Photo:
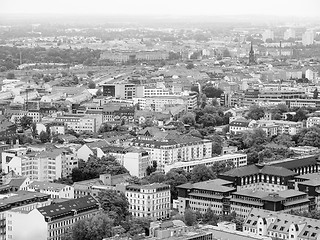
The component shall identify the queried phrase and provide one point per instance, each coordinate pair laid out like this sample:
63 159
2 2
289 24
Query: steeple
252 60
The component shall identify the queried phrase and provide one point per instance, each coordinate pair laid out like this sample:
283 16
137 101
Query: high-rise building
289 33
308 38
267 34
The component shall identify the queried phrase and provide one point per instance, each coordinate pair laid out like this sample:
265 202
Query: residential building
175 148
20 200
280 225
201 196
55 190
308 38
152 200
49 222
312 121
78 123
238 159
135 160
240 125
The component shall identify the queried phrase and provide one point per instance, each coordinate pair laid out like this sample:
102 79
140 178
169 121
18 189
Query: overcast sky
164 7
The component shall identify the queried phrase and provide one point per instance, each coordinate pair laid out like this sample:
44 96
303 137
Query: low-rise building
280 225
238 159
55 190
151 201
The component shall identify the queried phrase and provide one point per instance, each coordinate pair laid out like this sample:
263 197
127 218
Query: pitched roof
256 169
69 207
17 182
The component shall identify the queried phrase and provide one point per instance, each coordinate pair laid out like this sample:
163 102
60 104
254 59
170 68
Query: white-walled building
151 201
308 38
312 121
238 159
49 222
55 190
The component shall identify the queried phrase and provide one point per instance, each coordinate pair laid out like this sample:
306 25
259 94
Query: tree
34 130
284 139
209 217
152 168
190 217
105 127
301 115
138 226
212 92
221 167
96 227
255 112
156 177
91 85
189 119
190 66
44 137
201 173
115 204
175 178
25 122
10 75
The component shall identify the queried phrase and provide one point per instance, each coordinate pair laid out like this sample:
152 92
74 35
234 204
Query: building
46 165
152 200
281 225
55 190
94 186
238 159
289 34
259 177
201 196
78 123
135 160
312 121
49 222
267 34
243 201
175 148
252 59
240 125
22 201
308 38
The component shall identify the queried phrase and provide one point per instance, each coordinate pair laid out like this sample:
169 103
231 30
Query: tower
252 60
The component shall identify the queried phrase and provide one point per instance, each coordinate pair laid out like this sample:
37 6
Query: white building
289 33
78 123
49 222
178 148
312 121
152 200
55 190
308 38
238 159
267 34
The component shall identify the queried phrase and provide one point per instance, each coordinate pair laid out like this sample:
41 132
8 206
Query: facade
178 148
78 123
281 225
135 160
152 200
308 38
259 178
21 201
55 190
238 159
201 196
42 166
312 121
49 222
243 201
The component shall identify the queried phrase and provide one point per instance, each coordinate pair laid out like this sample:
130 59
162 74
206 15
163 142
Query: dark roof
255 169
17 182
296 162
240 123
69 207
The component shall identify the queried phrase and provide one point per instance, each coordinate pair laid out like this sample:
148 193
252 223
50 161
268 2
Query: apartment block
152 200
49 222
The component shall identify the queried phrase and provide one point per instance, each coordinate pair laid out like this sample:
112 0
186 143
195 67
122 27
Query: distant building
267 34
308 38
289 34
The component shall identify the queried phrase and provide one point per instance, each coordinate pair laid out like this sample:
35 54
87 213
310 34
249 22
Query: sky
301 8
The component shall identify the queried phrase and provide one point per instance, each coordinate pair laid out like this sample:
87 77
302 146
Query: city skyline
176 8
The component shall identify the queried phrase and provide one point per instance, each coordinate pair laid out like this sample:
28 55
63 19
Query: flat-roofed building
152 200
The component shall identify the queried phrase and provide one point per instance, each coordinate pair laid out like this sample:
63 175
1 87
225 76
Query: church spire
251 55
